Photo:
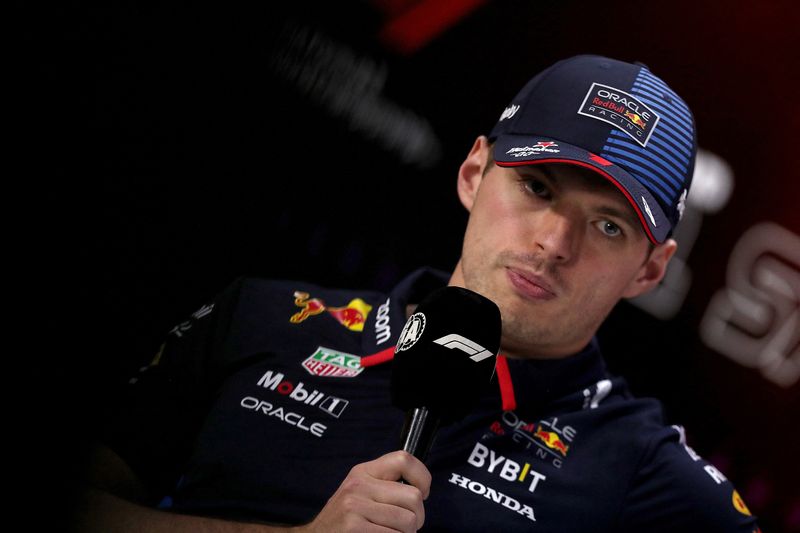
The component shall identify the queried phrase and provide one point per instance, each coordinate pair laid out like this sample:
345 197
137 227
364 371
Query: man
271 406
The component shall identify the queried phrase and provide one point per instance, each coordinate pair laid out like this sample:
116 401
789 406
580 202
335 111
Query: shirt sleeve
153 422
677 490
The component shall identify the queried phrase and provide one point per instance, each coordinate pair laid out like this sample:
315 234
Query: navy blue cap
615 118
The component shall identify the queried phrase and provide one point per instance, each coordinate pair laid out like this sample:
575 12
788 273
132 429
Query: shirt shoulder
675 489
665 484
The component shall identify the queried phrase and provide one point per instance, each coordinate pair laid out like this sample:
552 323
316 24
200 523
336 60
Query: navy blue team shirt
257 407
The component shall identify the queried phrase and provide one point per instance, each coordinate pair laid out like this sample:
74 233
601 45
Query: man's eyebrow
544 169
624 214
548 173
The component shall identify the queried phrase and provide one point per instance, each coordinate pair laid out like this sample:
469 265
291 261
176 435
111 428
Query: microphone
444 359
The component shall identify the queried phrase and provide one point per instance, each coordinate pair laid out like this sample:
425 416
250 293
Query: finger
393 517
360 486
402 496
400 465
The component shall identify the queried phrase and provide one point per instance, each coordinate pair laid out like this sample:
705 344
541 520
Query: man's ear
471 171
652 270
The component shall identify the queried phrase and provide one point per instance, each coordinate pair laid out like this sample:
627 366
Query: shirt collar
540 382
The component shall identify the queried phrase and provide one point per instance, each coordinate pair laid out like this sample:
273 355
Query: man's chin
515 307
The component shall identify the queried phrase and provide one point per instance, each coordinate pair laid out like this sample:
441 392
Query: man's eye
608 228
537 187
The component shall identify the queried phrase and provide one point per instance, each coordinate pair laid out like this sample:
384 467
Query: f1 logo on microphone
454 341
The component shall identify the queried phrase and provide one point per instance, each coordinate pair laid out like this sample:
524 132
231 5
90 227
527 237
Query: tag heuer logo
332 364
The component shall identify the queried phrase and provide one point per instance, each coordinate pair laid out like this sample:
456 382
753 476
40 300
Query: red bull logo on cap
636 119
352 316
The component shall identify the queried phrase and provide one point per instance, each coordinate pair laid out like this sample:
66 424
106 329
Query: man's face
555 247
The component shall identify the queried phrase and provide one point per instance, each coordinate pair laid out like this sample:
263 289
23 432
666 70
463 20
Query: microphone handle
418 432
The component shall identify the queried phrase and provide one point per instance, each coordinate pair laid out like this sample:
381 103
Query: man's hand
371 499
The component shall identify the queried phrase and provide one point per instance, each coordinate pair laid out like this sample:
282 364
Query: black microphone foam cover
446 353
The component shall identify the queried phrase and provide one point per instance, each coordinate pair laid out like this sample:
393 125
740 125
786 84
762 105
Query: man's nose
557 235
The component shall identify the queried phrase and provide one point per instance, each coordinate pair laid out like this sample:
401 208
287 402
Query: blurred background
174 146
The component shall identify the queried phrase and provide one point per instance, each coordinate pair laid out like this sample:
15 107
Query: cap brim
517 150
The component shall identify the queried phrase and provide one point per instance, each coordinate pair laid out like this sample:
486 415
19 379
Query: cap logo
649 213
509 112
620 109
540 147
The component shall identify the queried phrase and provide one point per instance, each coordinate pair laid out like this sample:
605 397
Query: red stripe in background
506 386
409 30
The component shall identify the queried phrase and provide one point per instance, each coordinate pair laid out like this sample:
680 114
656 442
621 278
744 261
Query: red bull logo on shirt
552 440
549 439
310 307
738 503
352 316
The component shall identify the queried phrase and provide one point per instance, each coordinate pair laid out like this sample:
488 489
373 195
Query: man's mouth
530 285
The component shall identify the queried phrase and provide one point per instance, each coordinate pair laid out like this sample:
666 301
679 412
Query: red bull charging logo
636 119
551 440
352 316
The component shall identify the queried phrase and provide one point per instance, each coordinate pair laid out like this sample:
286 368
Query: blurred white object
755 320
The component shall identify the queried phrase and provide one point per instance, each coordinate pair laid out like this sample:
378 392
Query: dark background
170 148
